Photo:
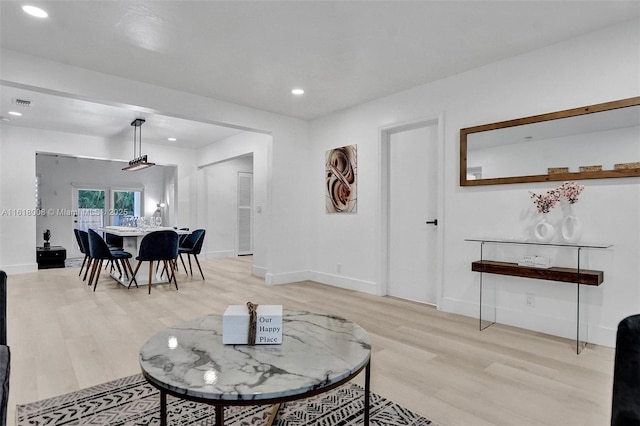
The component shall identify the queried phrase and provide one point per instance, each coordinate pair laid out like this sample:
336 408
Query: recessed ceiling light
35 11
297 91
16 113
172 139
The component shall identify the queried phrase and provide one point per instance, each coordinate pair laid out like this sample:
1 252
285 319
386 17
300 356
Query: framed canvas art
341 173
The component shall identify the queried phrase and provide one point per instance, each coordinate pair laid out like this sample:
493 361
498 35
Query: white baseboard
286 278
20 269
329 279
345 282
259 271
218 254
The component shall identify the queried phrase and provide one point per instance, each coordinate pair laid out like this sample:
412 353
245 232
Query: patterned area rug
132 401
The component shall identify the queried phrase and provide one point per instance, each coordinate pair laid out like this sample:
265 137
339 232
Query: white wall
599 67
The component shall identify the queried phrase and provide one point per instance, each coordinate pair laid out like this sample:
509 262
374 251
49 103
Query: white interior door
413 201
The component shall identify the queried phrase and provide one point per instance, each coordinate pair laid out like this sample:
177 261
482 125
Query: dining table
131 240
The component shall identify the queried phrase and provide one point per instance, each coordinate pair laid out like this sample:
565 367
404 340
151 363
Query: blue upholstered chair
84 239
159 246
625 410
114 241
99 251
84 249
192 245
5 353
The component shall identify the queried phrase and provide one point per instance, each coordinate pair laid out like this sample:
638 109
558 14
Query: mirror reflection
572 144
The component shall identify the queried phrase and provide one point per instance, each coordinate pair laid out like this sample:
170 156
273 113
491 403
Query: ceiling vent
22 102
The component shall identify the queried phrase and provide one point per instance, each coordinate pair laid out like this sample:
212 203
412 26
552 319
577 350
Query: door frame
385 141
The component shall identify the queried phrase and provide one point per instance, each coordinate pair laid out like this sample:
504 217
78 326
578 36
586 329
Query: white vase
571 227
544 231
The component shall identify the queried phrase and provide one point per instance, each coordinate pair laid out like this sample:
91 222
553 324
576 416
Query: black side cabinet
51 257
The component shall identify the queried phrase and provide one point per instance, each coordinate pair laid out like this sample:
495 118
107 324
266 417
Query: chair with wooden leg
159 246
192 245
99 252
83 249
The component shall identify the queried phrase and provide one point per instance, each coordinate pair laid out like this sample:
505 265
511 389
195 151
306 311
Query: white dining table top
129 231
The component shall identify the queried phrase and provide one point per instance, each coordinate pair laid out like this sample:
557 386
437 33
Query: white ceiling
253 53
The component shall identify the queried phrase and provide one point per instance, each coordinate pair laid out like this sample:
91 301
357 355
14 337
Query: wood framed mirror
591 142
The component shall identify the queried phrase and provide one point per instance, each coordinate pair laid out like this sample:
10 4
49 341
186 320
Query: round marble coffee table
318 353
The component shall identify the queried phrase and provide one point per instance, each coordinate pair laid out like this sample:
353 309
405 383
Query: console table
577 275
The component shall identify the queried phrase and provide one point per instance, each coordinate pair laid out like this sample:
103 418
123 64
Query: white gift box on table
235 325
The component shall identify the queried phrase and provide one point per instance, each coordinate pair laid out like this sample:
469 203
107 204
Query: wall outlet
530 300
339 268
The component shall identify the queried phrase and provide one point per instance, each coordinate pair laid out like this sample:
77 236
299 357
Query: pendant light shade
139 161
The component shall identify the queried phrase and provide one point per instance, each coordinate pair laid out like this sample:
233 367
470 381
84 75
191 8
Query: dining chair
159 246
83 249
99 252
114 241
192 245
84 239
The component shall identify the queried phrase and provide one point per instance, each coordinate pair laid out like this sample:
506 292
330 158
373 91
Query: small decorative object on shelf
597 168
571 225
252 324
544 231
626 166
535 261
556 170
47 236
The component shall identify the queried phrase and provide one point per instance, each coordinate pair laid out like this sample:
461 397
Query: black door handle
433 222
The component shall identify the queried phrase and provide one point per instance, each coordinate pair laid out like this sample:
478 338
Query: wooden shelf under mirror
489 153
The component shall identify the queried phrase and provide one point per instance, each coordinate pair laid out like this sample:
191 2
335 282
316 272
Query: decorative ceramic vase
571 227
543 230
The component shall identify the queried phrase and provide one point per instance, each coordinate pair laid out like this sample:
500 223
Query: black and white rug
132 401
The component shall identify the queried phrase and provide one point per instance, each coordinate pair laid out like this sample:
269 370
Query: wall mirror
591 142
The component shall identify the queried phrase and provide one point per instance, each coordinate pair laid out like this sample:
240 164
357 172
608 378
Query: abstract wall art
341 180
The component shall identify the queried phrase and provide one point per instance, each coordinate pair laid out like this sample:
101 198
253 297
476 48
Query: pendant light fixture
139 161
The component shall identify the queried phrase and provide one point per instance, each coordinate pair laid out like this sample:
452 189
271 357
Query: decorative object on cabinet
341 174
46 235
494 147
577 275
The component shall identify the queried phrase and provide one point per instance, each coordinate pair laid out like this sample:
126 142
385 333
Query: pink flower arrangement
544 203
571 191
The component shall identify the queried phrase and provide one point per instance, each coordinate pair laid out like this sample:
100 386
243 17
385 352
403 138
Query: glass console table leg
486 295
581 315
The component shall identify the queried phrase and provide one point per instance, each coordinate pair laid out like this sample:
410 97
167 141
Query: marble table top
317 351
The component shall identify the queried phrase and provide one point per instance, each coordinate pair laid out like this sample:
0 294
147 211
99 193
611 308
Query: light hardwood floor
65 337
